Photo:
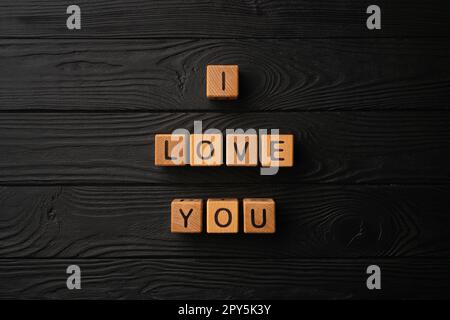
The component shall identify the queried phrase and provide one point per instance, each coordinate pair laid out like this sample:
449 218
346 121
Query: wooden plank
330 147
312 222
225 279
169 75
224 18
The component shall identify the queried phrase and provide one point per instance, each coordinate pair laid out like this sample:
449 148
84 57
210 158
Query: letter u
263 223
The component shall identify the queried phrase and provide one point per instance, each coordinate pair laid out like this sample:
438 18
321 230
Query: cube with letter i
222 82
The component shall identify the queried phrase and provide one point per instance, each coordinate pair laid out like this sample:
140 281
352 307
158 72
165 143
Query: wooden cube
171 150
277 150
206 149
222 82
242 150
259 215
186 215
222 215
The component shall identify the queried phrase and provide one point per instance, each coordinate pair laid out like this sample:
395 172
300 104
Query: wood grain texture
312 222
330 147
369 111
169 75
223 18
225 279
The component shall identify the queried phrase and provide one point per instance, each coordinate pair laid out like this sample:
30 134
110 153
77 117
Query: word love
222 215
275 150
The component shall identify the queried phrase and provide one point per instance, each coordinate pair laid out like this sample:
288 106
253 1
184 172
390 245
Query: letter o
216 217
199 150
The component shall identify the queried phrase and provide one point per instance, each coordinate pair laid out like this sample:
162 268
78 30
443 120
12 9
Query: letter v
241 156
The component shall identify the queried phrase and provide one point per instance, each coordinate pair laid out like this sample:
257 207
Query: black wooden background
369 109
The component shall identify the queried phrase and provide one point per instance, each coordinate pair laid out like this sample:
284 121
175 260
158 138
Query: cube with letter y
186 215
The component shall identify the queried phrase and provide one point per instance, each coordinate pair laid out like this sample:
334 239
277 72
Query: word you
222 215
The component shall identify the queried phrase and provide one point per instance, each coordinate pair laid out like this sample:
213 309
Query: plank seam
220 38
224 111
144 258
215 184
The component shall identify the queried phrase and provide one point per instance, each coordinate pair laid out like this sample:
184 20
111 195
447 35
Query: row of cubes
222 215
275 150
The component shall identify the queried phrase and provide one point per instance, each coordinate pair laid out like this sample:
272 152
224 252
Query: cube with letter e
277 150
